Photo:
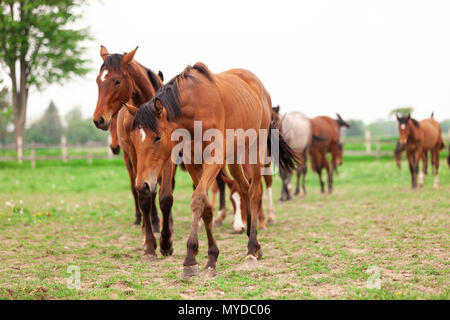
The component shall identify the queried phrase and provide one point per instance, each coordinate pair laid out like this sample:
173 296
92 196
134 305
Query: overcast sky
358 58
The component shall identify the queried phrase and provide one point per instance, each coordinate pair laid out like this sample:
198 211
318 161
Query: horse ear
339 116
131 109
276 109
104 53
126 59
161 75
398 118
408 117
158 107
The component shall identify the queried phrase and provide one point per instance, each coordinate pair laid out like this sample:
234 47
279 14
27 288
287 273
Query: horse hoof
271 221
136 224
218 222
208 273
149 258
260 254
238 231
166 252
190 271
251 262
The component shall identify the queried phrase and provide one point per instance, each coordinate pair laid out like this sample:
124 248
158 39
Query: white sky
358 58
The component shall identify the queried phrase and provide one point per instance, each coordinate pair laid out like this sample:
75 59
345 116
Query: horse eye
117 82
157 139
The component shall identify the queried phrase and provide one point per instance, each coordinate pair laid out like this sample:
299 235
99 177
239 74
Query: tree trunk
20 100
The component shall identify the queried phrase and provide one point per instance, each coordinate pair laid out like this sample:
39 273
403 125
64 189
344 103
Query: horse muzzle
102 124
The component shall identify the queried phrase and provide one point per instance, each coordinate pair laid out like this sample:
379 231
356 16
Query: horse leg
255 194
329 173
268 180
165 204
239 210
422 173
137 212
261 217
412 168
304 171
145 204
435 155
285 179
201 208
297 185
220 184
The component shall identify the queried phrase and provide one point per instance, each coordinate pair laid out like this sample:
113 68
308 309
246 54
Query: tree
39 46
357 128
81 130
5 112
48 129
403 111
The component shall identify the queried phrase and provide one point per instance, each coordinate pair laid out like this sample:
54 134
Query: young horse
418 138
122 79
326 134
231 101
297 131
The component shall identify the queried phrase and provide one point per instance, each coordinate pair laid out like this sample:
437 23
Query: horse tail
284 156
318 138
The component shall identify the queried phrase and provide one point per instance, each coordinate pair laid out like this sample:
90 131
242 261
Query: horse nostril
101 121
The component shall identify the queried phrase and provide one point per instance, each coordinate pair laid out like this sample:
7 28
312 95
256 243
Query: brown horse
326 135
198 101
122 79
419 138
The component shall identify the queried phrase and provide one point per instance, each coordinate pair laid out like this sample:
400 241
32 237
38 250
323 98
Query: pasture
321 246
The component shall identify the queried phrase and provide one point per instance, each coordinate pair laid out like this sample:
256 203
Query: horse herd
143 114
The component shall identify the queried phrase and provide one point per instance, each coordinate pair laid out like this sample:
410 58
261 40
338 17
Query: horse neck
143 89
414 133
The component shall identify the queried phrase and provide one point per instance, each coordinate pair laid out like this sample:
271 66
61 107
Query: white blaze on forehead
105 72
403 126
142 134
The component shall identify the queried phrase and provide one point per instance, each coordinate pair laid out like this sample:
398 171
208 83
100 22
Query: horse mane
168 95
415 122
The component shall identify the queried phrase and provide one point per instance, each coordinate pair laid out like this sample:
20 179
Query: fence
88 151
366 149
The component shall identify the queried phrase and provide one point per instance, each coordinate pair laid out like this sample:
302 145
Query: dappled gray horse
297 132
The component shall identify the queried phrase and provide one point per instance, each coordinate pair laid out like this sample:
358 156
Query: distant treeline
381 128
49 128
78 130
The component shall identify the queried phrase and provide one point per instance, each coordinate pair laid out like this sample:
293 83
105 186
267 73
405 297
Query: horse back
432 136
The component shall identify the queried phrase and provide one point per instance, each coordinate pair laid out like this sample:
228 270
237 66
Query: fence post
368 142
378 148
33 156
90 156
109 141
64 148
19 149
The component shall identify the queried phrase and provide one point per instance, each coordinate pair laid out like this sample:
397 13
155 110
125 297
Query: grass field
321 246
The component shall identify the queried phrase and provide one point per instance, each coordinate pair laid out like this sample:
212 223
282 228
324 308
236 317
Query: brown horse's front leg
165 204
201 208
129 167
255 194
145 204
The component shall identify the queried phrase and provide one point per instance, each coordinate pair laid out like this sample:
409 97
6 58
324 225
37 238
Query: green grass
73 214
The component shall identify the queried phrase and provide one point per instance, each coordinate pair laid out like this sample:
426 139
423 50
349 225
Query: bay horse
232 101
326 135
122 79
419 138
297 131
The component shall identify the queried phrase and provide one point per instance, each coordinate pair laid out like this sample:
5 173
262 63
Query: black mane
168 95
404 120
